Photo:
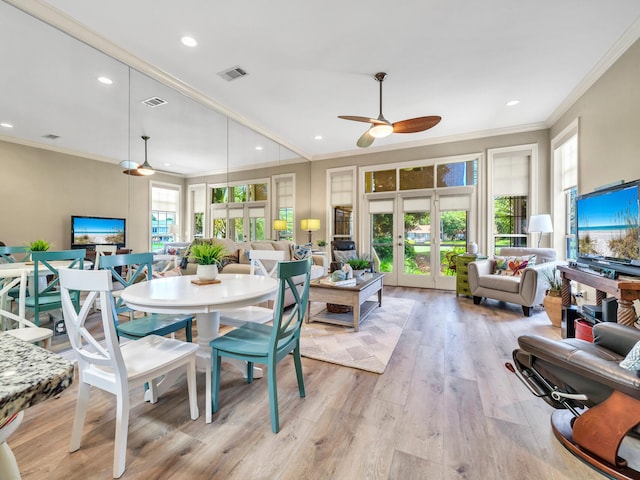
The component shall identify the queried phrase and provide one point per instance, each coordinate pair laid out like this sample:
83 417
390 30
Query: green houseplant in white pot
359 265
208 256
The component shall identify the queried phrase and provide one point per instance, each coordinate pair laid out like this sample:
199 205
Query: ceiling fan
381 127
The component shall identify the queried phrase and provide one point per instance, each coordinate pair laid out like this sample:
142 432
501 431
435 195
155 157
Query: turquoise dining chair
46 265
14 254
130 268
266 344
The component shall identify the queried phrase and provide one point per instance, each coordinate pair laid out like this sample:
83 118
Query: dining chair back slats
48 265
265 263
112 367
130 268
264 344
14 254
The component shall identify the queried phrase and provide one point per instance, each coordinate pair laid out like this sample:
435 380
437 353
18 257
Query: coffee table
355 297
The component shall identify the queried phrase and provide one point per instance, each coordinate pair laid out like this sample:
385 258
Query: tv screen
608 223
92 231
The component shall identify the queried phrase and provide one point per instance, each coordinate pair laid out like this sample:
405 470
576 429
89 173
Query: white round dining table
180 295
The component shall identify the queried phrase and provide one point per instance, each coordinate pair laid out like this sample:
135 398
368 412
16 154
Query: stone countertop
29 374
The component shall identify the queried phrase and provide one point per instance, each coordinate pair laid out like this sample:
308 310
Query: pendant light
145 169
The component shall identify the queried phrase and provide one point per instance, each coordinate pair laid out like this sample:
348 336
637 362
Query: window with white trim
165 208
565 160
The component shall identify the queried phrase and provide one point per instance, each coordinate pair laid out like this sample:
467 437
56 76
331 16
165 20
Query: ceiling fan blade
417 124
374 121
365 140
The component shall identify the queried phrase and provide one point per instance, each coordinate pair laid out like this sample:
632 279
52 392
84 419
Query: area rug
368 349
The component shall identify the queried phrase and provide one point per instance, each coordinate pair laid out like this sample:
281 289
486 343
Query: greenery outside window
510 220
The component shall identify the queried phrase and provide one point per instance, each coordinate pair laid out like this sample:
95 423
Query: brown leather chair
598 401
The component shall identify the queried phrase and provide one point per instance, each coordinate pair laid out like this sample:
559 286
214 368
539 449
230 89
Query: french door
414 238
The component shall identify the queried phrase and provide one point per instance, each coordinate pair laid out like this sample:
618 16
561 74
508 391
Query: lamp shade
310 224
174 229
540 223
279 224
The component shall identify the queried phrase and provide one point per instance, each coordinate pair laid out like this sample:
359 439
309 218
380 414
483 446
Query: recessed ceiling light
167 164
512 103
105 80
6 125
189 41
258 147
318 137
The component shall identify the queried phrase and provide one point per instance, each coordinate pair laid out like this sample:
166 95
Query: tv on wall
91 231
608 225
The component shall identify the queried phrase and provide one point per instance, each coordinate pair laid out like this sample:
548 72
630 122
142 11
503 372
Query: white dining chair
101 251
263 262
117 368
17 325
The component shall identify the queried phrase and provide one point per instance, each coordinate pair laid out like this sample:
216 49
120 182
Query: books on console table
351 282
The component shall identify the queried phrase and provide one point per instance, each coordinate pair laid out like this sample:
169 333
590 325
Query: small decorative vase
207 272
472 248
553 308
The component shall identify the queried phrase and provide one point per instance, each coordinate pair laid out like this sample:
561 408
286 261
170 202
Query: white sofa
527 289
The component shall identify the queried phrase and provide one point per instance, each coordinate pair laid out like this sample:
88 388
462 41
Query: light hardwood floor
445 408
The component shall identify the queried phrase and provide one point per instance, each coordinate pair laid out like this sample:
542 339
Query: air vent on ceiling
51 136
233 73
154 102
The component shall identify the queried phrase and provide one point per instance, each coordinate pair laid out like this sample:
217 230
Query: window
238 211
342 199
165 206
565 190
283 204
510 220
509 187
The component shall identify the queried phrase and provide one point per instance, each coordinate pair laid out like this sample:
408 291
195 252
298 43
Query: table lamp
540 224
310 225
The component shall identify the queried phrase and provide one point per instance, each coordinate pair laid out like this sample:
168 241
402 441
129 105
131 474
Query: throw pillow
343 256
300 252
632 360
513 266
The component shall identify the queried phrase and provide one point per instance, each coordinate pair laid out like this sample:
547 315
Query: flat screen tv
608 225
92 231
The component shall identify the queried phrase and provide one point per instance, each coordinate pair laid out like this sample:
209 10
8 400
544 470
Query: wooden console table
624 290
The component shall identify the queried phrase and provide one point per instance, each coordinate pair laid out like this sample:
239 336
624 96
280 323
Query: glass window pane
219 195
198 225
416 177
417 243
380 181
220 228
342 222
258 192
382 240
239 194
458 174
453 239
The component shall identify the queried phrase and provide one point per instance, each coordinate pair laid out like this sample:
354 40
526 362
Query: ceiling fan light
146 169
380 131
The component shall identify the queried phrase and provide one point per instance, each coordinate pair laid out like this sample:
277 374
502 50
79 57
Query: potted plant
359 265
553 300
39 246
208 256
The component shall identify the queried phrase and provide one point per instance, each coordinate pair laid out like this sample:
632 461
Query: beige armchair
527 289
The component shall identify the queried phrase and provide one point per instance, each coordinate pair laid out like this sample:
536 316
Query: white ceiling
308 62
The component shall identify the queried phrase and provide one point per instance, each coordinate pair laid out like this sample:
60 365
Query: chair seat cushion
500 282
158 324
249 339
46 300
